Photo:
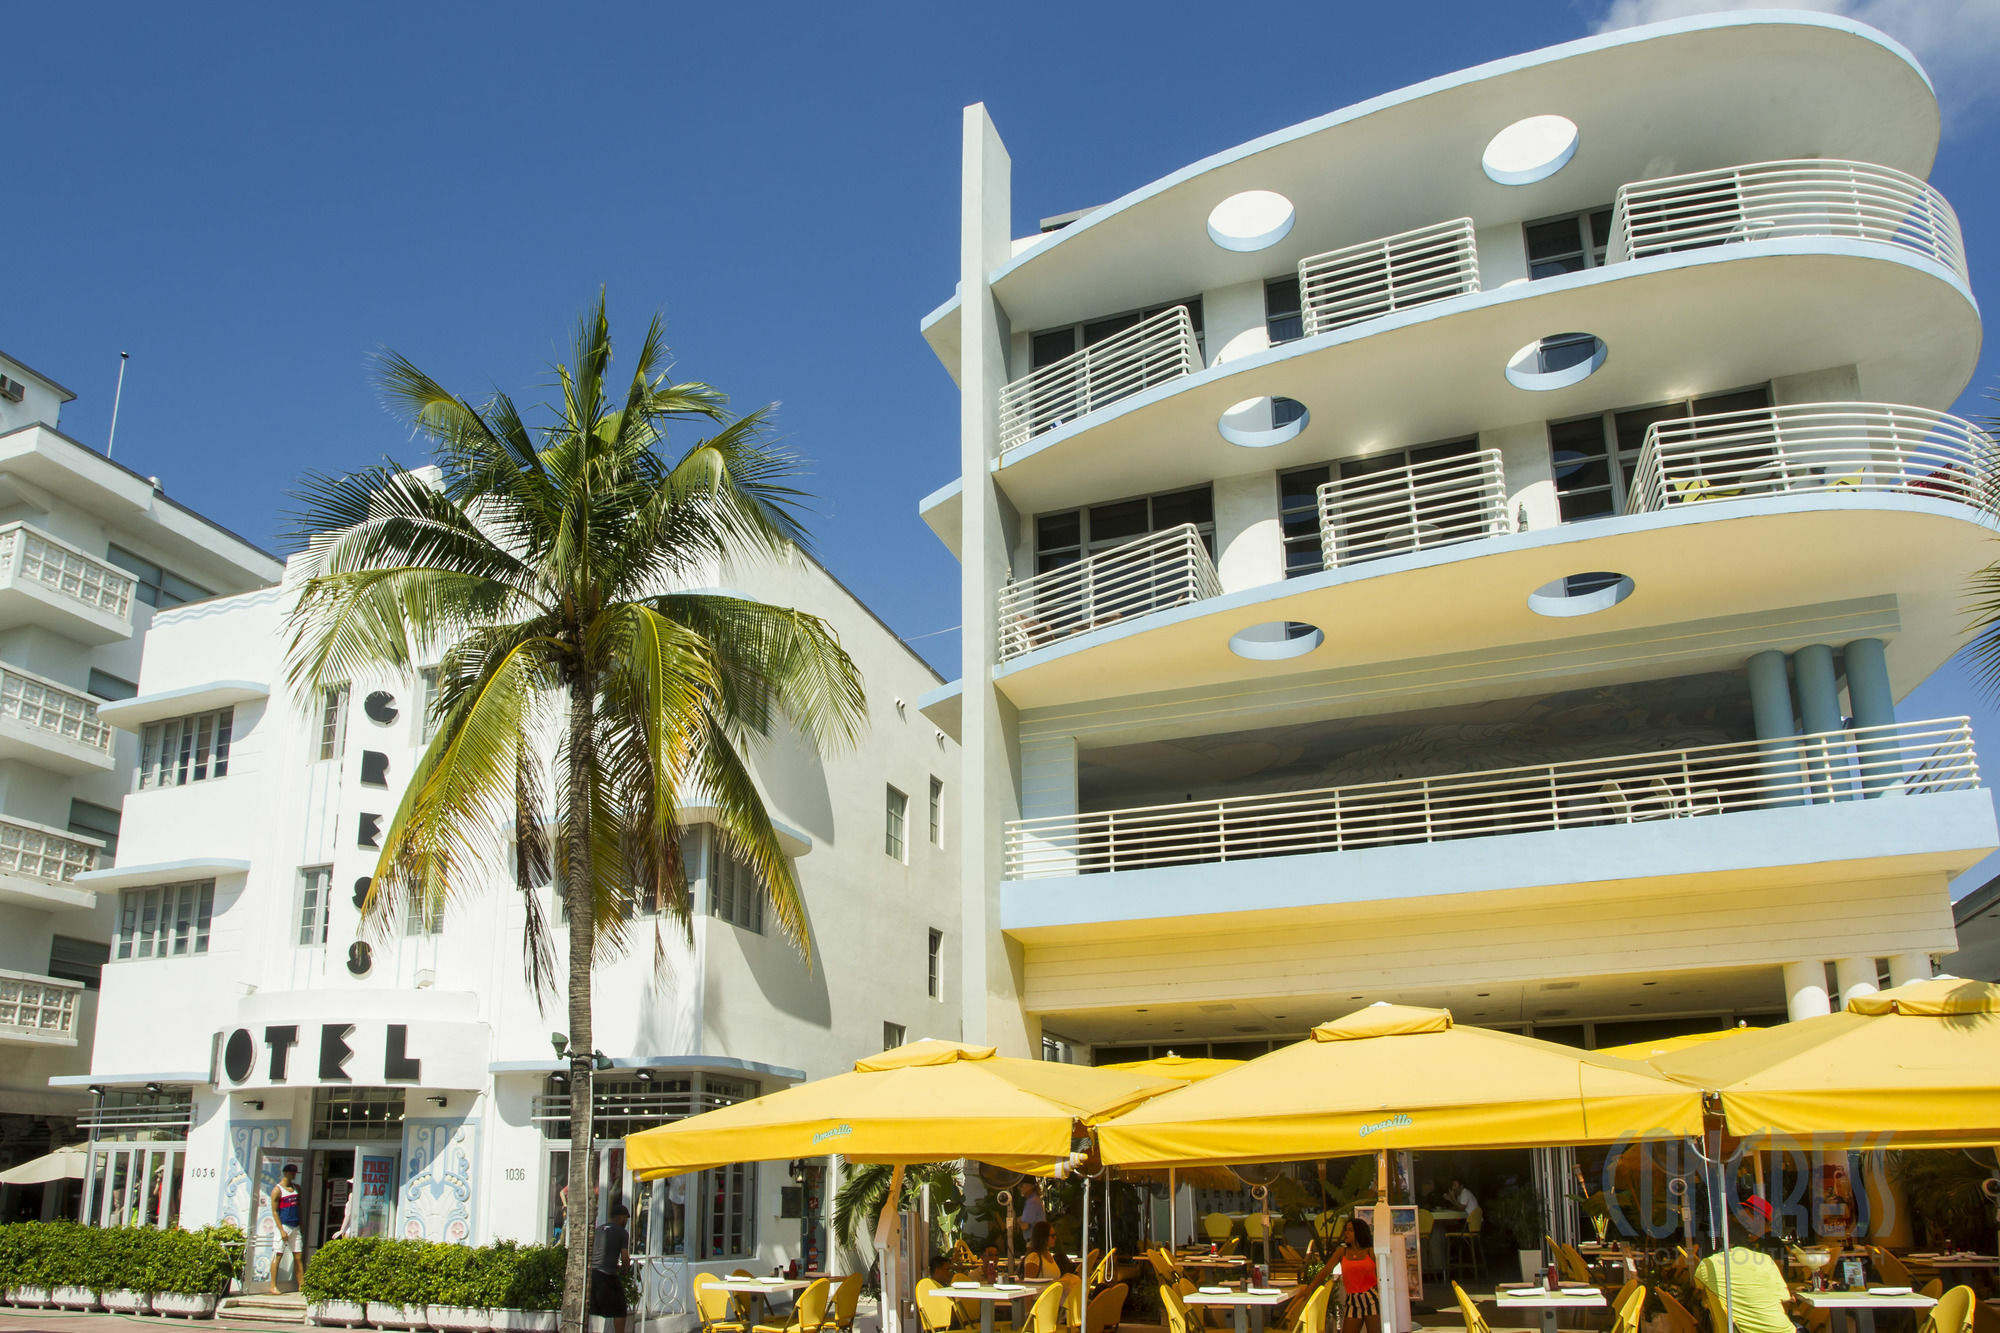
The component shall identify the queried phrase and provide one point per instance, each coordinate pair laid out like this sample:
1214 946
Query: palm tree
539 566
864 1188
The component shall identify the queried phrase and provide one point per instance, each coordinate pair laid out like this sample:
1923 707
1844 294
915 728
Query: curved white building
1467 549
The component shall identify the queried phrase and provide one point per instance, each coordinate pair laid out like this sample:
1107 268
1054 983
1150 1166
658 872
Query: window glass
1117 523
1060 538
427 727
1283 315
332 721
1582 470
937 813
78 960
357 1115
107 686
157 587
898 814
894 1035
934 966
96 821
1051 346
1298 516
733 891
185 749
314 885
165 921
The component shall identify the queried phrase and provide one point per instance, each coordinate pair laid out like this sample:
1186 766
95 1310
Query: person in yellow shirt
1756 1286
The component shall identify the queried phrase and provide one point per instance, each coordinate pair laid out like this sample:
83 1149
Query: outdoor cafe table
1948 1263
1838 1303
1250 1307
1213 1261
1009 1293
1572 1296
757 1288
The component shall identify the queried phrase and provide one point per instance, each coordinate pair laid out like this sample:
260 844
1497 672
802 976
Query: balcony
1916 758
1157 571
1785 200
1816 448
44 724
1157 349
38 865
38 1011
50 583
1362 282
1412 508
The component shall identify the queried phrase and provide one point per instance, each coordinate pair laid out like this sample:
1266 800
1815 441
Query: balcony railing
1818 447
52 709
1155 572
1775 200
1411 508
41 1007
1157 349
1412 268
29 555
40 853
1914 757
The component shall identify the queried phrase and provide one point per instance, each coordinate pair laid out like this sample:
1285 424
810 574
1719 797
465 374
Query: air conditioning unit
11 389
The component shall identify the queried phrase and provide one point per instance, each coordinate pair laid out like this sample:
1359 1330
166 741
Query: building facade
90 553
251 1020
1467 550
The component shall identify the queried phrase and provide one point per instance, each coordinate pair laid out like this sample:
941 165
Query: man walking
609 1252
287 1227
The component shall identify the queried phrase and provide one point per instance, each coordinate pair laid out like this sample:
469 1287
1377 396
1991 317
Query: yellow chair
1107 1308
846 1298
1072 1301
1046 1314
1218 1226
1254 1227
1174 1310
1679 1318
1106 1271
1312 1319
1233 1245
1475 1322
1627 1318
1890 1267
934 1309
1570 1261
1952 1312
714 1307
808 1316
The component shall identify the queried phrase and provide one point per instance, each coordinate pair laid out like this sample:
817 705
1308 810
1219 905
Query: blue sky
252 199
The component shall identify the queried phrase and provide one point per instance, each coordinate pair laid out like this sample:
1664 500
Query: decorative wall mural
245 1138
439 1159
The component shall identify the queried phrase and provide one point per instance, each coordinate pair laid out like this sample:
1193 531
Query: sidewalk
77 1321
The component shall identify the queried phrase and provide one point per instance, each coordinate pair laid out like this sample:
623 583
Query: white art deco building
1468 549
248 1020
90 553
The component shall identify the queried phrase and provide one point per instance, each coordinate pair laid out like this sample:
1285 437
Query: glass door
265 1271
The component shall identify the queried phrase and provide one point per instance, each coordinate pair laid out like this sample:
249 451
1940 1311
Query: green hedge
416 1272
69 1254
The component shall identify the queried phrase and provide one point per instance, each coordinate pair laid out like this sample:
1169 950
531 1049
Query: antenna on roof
117 393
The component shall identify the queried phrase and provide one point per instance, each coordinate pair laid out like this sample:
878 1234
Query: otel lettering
239 1053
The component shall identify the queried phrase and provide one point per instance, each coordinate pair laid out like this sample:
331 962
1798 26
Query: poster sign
377 1185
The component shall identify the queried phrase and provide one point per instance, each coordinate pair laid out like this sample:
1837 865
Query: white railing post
1357 283
1412 508
1159 348
1151 573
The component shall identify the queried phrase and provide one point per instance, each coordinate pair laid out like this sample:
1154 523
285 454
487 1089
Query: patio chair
1678 1317
846 1298
1475 1322
1626 1320
1892 1269
714 1307
1045 1315
1312 1318
1218 1226
935 1310
1952 1313
808 1316
1106 1271
1107 1309
1465 1246
1570 1261
1174 1312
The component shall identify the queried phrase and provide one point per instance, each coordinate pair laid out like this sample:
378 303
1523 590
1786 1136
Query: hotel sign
370 1053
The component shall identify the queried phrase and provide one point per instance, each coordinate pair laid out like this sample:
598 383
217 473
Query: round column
1874 706
1907 967
1771 696
1857 976
1805 990
1819 689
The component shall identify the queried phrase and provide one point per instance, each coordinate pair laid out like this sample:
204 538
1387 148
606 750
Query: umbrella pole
887 1245
1083 1253
1173 1206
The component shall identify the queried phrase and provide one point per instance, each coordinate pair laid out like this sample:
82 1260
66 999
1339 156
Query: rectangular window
1065 537
107 686
357 1115
78 960
422 916
181 750
937 812
733 892
1298 518
99 822
427 727
1595 459
157 586
315 885
1284 316
893 1035
165 921
1048 346
732 1195
332 721
898 815
1568 244
934 967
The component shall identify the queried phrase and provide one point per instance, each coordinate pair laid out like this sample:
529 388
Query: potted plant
399 1285
194 1270
128 1267
460 1301
336 1282
1517 1212
532 1296
75 1266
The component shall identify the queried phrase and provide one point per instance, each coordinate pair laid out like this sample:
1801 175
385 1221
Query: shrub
401 1272
537 1280
340 1269
197 1263
488 1272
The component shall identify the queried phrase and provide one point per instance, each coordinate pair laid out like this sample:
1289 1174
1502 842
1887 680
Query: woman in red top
1356 1256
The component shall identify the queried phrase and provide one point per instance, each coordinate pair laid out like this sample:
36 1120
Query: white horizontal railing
43 1006
1359 282
1159 570
27 554
1413 507
1157 349
1814 447
42 853
53 709
1774 200
1666 784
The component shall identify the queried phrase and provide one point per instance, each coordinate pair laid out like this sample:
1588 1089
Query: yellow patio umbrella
1186 1068
1919 1063
929 1101
1647 1050
1390 1077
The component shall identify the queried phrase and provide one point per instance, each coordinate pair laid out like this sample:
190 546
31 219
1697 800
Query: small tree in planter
533 1292
129 1268
457 1304
401 1279
194 1270
1517 1212
76 1265
337 1281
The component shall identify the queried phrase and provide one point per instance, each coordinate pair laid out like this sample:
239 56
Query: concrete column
1249 536
1856 977
1771 714
1907 967
1874 706
1818 692
1805 990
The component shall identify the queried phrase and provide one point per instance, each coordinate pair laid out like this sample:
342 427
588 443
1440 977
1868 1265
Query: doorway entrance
353 1191
267 1271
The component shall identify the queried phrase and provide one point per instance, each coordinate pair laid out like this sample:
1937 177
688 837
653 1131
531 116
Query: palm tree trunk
580 1226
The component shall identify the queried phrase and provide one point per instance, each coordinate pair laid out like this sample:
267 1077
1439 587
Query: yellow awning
1392 1077
1185 1068
1920 1063
1648 1050
929 1101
